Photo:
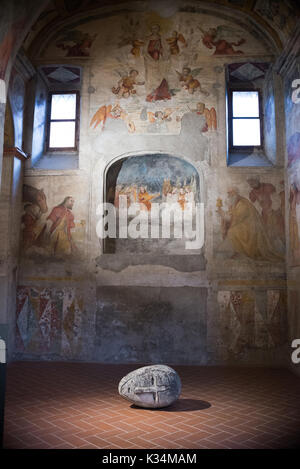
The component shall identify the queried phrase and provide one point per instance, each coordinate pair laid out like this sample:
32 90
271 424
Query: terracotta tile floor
76 405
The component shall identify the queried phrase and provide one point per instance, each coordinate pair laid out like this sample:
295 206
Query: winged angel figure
223 38
189 82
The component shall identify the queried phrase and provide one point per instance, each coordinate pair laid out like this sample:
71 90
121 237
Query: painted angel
126 85
112 112
173 42
157 120
223 38
188 82
82 43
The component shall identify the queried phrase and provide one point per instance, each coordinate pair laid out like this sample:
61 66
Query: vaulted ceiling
277 18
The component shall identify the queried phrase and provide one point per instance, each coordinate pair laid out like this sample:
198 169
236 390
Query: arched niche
151 183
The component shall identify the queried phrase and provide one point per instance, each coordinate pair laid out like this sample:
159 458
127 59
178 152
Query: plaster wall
225 304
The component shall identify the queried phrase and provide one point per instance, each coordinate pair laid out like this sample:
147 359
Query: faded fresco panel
151 185
292 113
54 218
49 322
251 320
250 221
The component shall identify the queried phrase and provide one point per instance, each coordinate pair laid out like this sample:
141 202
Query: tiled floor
76 405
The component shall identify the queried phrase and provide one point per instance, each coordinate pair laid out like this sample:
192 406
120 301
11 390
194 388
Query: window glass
62 135
62 125
63 106
245 104
246 123
246 132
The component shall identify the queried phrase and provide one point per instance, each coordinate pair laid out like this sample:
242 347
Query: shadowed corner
181 405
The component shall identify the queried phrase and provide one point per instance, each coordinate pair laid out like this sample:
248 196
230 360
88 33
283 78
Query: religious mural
252 222
49 321
152 73
223 40
76 43
154 179
252 320
49 232
293 168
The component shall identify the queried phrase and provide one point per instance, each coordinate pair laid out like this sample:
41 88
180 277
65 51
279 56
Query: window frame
245 148
76 120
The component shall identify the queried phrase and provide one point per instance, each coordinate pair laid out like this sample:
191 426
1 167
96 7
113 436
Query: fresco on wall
252 222
292 110
156 63
154 179
111 112
127 85
278 13
157 177
252 320
49 321
223 39
80 46
48 233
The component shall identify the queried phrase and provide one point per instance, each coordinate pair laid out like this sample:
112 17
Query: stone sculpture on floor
152 386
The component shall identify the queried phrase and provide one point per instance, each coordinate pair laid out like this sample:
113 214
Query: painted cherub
126 85
188 82
173 42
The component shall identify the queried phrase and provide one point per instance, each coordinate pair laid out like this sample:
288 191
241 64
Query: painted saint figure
155 48
61 221
242 226
262 193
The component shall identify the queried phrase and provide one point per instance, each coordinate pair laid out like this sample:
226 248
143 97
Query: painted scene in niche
251 221
50 230
146 181
49 321
252 320
293 166
153 70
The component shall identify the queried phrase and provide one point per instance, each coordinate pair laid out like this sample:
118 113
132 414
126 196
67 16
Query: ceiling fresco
277 18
